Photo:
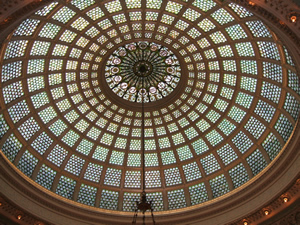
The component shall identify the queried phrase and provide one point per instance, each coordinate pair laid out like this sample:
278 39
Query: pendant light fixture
143 205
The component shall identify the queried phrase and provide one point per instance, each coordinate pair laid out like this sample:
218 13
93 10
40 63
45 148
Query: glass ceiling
236 108
142 72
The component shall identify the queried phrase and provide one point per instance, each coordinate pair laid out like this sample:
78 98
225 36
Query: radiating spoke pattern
221 88
142 69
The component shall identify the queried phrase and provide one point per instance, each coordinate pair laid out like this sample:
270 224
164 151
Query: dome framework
233 112
142 71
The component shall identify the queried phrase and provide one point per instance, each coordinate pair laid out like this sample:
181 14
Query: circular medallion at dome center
142 70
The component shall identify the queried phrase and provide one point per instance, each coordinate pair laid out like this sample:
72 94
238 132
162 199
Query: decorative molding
13 14
10 7
284 212
269 12
12 11
11 212
291 219
280 212
258 195
276 10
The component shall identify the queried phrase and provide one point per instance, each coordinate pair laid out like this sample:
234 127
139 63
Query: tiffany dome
142 72
220 88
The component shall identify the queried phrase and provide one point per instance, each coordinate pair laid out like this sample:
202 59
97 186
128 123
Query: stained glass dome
142 72
230 103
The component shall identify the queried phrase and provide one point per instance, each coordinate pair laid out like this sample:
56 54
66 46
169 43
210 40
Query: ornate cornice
13 11
274 203
16 215
258 190
291 218
276 13
278 210
10 9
